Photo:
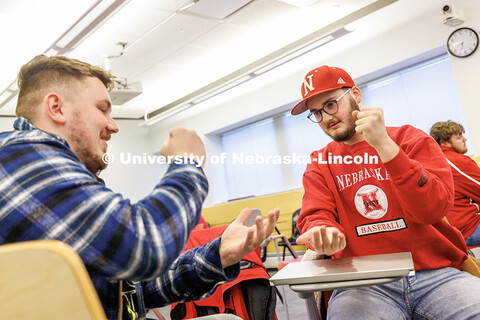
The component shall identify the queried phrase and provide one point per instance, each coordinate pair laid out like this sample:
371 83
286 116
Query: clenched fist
184 143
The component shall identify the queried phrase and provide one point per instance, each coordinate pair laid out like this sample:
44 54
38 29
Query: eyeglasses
330 107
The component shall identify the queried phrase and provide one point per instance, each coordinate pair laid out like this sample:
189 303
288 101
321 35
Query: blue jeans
438 294
474 238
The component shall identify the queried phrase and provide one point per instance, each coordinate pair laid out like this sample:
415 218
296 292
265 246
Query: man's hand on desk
238 240
325 240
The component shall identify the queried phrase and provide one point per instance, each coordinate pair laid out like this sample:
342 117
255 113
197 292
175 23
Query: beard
349 131
461 149
92 162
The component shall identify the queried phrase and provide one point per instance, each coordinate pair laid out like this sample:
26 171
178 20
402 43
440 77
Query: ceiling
172 52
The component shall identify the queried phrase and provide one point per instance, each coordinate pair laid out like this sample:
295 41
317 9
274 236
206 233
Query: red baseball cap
321 80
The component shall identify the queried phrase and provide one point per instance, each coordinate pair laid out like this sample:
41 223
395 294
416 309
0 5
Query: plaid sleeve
46 193
193 276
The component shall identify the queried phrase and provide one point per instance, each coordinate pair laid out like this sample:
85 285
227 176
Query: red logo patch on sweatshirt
423 180
371 202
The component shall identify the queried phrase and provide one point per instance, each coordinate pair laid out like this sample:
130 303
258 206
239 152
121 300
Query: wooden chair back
46 279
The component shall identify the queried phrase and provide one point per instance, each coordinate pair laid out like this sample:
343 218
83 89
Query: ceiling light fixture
214 90
284 55
294 55
164 115
188 5
300 3
214 9
93 18
226 87
9 93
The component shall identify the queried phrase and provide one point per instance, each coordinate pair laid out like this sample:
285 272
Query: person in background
49 189
386 192
465 214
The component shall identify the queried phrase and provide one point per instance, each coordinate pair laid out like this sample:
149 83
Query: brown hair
443 131
43 73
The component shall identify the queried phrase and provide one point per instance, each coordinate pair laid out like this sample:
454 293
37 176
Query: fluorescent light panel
300 3
302 50
293 54
215 9
4 97
13 87
188 5
283 55
224 88
165 115
87 23
8 94
82 23
92 19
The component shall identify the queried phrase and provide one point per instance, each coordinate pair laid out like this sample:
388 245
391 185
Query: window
420 95
248 168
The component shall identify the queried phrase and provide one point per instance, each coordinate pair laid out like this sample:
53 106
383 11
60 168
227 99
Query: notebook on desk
346 269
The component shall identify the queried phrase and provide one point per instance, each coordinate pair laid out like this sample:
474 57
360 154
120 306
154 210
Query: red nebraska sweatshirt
387 207
465 213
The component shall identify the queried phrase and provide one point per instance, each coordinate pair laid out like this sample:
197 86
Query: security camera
452 17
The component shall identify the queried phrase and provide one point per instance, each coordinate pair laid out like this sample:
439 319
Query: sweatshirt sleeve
467 177
421 177
193 276
315 212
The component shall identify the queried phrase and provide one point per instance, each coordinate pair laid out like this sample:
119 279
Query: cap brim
301 107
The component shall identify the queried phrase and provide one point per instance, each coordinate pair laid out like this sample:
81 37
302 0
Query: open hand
238 240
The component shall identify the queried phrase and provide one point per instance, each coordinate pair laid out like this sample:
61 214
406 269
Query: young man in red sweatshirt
376 190
465 213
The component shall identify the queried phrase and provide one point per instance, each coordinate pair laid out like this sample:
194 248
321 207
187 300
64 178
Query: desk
307 277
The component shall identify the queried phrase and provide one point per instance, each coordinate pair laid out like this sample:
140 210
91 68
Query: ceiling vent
216 9
300 3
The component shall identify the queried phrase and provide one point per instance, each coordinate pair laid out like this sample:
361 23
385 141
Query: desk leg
312 310
285 304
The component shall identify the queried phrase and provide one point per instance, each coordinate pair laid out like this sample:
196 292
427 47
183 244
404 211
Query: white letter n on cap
308 86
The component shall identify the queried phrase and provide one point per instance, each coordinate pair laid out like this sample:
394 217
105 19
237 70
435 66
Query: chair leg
263 253
323 306
285 247
158 314
279 295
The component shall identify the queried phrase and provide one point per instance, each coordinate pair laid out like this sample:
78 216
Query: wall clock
462 42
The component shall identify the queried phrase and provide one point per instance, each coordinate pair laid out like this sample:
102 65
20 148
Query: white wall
6 123
466 72
377 43
133 180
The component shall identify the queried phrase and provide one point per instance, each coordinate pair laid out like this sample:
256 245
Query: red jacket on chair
228 297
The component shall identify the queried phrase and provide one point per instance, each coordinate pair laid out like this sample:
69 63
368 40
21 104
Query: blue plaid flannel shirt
47 193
